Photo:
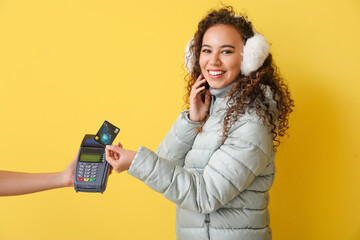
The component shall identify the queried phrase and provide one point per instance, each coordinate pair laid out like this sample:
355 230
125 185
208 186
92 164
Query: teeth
216 72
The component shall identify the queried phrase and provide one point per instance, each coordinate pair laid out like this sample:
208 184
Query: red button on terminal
81 179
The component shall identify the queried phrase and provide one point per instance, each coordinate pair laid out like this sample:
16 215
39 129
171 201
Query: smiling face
220 56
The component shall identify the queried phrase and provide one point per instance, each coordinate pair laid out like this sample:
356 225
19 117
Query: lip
215 70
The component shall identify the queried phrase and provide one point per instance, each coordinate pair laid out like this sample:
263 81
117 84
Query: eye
206 50
227 51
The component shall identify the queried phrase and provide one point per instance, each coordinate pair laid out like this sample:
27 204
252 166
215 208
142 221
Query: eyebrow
223 46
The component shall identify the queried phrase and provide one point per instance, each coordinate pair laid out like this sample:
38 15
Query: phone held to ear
207 87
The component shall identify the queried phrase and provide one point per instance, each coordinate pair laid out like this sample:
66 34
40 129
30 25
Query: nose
215 59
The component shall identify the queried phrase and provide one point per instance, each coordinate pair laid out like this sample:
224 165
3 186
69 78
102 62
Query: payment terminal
92 170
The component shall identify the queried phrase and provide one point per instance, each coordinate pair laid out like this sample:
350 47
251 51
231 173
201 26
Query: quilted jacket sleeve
230 170
179 139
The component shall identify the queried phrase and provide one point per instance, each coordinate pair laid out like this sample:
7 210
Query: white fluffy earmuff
189 57
255 51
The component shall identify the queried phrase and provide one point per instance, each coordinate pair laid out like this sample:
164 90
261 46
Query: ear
255 51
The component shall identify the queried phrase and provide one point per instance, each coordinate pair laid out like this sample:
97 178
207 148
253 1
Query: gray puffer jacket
221 189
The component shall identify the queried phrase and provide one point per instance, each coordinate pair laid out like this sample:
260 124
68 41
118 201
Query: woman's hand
198 108
119 158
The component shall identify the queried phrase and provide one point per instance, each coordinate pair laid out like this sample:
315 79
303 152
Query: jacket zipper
207 222
212 105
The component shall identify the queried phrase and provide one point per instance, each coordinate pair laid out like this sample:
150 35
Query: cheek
235 63
201 62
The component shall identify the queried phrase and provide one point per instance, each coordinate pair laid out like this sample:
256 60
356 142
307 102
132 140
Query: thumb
113 148
108 157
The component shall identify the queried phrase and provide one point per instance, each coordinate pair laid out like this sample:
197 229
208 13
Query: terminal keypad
87 171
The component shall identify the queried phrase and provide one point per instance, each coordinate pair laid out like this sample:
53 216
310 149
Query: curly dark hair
247 93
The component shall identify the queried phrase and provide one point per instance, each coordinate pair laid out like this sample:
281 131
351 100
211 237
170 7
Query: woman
217 161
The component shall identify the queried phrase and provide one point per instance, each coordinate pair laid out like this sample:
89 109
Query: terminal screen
85 157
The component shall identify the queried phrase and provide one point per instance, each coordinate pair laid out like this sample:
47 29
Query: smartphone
207 87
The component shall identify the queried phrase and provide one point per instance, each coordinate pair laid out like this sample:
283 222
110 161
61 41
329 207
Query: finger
195 96
119 145
107 154
108 158
76 158
197 91
111 153
199 83
114 148
199 77
113 156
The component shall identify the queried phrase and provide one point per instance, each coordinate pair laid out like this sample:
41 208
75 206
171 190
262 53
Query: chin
213 84
217 84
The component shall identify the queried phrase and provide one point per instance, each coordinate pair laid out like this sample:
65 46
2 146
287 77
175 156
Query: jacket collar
219 100
221 92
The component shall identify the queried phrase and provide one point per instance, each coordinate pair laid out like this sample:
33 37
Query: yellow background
66 66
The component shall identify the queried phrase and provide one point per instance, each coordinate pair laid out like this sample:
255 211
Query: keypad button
80 179
86 179
92 176
87 175
92 179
